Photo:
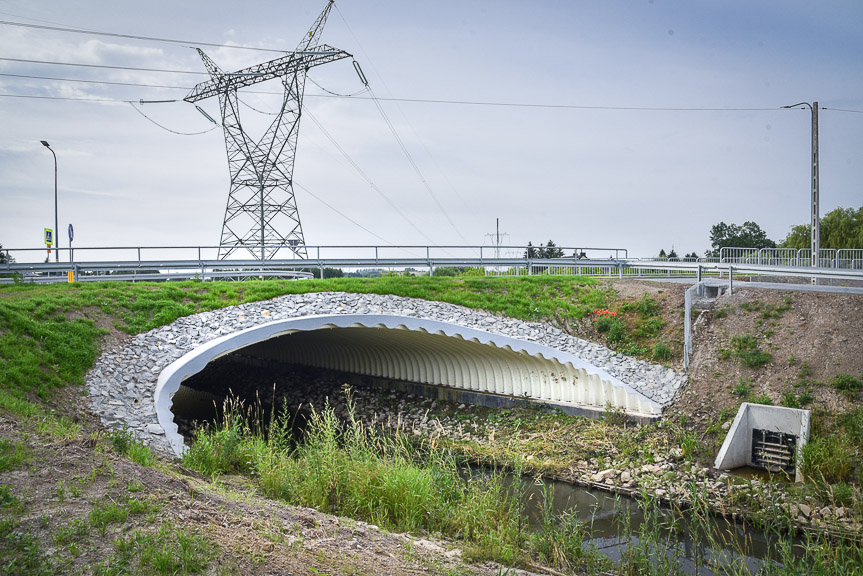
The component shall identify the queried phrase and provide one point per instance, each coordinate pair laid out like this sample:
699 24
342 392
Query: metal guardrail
208 269
315 253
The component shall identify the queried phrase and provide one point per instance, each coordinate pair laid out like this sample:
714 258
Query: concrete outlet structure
767 437
419 351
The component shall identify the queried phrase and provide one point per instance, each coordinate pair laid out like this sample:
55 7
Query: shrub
661 351
846 383
647 306
616 332
742 389
746 349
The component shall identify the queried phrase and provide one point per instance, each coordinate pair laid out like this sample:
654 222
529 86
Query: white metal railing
828 257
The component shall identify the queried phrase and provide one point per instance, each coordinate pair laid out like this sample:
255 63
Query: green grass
347 469
20 553
168 551
125 443
50 339
745 348
13 454
828 458
846 383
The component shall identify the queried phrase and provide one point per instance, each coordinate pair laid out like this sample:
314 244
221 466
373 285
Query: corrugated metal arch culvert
416 350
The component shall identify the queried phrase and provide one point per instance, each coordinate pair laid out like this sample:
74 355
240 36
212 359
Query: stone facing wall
123 380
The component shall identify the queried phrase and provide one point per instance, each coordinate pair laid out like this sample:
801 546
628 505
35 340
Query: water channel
613 522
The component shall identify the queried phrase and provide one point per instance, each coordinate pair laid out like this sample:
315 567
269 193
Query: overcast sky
648 121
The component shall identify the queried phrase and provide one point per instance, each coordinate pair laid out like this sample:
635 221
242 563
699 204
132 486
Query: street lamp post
56 225
815 243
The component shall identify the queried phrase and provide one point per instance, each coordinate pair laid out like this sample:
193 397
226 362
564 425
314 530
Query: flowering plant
606 313
603 319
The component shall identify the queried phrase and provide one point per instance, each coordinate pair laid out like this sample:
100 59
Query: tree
839 228
662 253
549 250
328 272
693 256
5 258
750 235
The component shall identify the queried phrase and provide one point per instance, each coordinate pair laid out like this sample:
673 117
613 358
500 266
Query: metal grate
773 451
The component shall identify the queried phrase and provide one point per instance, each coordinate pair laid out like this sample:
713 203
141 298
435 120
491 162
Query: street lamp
815 243
56 225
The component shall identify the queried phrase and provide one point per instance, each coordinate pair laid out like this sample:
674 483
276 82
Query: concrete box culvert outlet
766 437
471 362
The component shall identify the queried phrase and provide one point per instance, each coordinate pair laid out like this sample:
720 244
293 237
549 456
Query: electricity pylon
261 215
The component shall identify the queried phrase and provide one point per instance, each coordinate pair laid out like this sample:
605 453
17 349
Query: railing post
698 273
687 327
620 269
730 280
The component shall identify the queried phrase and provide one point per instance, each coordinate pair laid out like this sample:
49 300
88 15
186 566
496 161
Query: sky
613 124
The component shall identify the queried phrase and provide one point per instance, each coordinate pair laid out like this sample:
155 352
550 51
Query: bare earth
819 337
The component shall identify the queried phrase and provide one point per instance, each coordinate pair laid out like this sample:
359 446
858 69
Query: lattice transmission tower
261 215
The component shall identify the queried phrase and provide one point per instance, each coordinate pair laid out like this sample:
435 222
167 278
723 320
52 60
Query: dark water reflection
613 524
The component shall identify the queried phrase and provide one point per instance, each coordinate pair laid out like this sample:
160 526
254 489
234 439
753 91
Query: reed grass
386 478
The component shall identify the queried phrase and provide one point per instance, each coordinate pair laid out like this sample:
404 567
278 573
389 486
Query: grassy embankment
50 335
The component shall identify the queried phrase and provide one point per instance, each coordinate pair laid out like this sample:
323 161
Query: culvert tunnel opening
292 391
311 358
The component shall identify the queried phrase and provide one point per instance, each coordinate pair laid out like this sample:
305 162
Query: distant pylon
496 237
261 214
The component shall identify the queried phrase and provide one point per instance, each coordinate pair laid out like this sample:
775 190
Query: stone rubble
122 381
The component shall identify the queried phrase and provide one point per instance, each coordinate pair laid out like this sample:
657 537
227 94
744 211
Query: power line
102 66
334 209
54 78
63 98
408 100
365 177
414 166
843 110
132 104
474 103
134 37
567 106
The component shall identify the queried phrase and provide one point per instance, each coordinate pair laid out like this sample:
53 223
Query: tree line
839 229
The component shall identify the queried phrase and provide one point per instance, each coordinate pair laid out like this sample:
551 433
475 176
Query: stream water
614 523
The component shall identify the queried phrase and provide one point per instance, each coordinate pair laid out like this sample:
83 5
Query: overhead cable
442 102
365 176
132 104
135 37
416 168
337 211
103 66
54 78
